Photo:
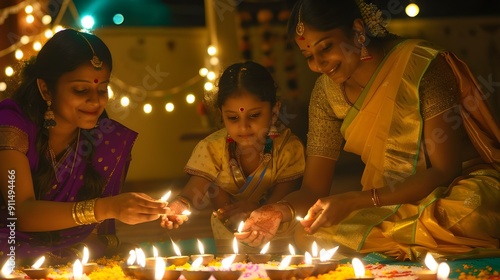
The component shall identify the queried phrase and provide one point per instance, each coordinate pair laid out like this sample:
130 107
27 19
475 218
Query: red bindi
242 109
96 81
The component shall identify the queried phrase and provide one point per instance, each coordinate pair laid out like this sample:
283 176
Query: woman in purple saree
62 162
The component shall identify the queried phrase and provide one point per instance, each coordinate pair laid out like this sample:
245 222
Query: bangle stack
184 200
83 212
375 198
290 207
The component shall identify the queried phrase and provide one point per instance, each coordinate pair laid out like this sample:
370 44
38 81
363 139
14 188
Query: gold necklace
53 157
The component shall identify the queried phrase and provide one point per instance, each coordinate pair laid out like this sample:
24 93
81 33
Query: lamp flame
430 262
77 270
7 268
266 247
227 262
285 262
443 271
307 258
141 257
176 249
235 246
165 197
155 252
299 218
159 268
314 249
359 268
39 262
200 247
86 254
131 257
240 227
329 253
292 250
197 263
186 212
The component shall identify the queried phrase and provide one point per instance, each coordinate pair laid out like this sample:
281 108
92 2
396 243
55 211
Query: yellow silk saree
462 219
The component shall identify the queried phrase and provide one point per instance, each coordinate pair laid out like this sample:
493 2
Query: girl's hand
174 218
329 211
133 208
261 226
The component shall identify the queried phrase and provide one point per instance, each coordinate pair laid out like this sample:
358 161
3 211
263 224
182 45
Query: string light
147 108
412 9
125 101
190 98
169 107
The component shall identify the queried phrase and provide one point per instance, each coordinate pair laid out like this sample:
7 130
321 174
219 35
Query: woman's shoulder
12 115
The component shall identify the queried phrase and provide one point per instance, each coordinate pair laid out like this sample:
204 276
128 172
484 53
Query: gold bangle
375 198
85 212
184 200
290 207
73 213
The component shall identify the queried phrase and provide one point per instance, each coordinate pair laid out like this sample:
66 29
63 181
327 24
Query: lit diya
86 266
128 267
196 272
237 257
262 257
179 259
359 270
434 270
325 262
283 271
225 272
305 270
207 258
36 272
7 271
294 258
151 261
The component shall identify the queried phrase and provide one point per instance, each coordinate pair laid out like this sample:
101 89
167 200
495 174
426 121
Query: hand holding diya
7 271
207 258
36 272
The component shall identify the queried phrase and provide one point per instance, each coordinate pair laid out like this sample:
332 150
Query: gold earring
49 119
364 55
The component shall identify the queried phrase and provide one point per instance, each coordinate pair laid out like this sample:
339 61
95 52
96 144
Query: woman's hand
174 219
130 208
261 226
231 215
330 210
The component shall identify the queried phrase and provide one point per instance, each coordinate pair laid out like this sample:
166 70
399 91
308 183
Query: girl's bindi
96 81
242 109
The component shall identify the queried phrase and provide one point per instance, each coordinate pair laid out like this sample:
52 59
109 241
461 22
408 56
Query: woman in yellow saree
422 126
246 164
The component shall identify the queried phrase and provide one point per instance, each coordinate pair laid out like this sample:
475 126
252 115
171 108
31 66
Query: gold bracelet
184 200
375 198
73 213
290 207
85 211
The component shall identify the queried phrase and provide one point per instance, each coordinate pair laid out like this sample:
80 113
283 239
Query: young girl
246 164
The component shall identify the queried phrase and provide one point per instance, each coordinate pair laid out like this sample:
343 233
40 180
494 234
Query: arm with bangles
38 215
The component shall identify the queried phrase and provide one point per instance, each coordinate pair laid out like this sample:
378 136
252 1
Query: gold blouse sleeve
438 89
206 159
323 138
12 138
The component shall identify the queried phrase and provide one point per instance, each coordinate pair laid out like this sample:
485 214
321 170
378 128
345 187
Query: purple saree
113 143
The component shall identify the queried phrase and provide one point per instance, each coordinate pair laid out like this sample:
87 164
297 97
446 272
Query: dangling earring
364 56
273 131
49 119
229 139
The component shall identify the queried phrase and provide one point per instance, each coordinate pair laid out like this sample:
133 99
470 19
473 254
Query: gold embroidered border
12 138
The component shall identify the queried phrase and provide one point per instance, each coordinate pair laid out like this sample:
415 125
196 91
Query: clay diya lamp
196 272
36 271
262 257
86 266
207 258
359 271
177 260
225 272
283 271
6 272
